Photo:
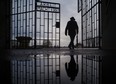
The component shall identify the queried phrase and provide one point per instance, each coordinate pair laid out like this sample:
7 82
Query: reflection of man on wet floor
71 68
72 30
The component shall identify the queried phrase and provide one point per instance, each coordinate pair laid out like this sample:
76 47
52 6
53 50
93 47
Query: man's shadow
72 68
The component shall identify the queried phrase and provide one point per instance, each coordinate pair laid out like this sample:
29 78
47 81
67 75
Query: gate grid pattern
35 24
91 23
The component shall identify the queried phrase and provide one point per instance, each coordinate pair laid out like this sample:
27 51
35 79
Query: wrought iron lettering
47 7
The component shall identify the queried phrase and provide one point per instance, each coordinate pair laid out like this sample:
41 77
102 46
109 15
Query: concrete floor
61 51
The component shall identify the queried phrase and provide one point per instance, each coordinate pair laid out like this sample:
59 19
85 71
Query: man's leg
69 44
72 41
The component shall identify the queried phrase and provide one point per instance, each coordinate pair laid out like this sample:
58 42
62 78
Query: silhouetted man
71 68
72 29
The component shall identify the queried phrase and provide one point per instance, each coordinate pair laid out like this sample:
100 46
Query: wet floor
47 69
61 67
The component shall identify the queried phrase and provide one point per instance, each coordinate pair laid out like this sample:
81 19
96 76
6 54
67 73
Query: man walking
72 30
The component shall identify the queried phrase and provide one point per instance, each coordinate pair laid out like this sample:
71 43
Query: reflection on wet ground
54 68
47 69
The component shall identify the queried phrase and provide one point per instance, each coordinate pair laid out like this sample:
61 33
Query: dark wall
4 24
4 41
108 69
109 24
109 41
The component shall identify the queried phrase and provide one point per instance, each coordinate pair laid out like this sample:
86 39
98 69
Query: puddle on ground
56 69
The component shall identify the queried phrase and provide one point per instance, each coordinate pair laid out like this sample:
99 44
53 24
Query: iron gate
91 23
35 24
